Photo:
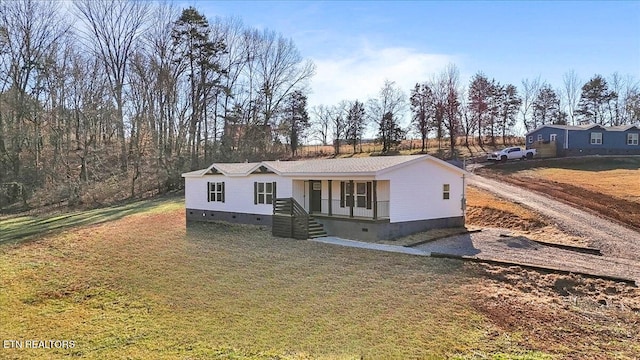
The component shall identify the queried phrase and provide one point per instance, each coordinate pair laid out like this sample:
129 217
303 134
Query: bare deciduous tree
112 28
571 92
530 90
385 111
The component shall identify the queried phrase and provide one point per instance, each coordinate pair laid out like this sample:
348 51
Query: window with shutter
216 192
264 193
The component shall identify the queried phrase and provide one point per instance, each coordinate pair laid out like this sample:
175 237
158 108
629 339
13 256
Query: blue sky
356 45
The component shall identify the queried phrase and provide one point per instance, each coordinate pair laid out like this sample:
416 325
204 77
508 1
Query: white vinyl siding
239 193
596 138
416 192
632 139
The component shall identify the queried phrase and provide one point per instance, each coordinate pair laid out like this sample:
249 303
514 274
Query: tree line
485 110
114 91
121 97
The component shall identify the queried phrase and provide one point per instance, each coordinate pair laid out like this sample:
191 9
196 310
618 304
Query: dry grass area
411 146
620 183
487 210
141 286
609 186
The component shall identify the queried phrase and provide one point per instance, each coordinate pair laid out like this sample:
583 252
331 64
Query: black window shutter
223 191
274 191
255 193
341 194
208 192
369 189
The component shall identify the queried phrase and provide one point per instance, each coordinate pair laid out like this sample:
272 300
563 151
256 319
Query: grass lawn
141 286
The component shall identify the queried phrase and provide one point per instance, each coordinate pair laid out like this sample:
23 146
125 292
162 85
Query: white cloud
361 73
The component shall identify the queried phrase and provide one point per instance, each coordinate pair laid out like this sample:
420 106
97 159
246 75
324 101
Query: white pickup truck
511 153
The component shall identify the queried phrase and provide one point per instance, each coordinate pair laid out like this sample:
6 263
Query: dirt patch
551 234
484 216
488 210
552 311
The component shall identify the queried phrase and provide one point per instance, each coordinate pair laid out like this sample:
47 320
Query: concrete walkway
492 245
371 246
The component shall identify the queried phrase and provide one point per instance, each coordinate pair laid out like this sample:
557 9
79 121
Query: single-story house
358 198
591 139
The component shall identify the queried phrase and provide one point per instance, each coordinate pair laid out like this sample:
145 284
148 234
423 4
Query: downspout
463 202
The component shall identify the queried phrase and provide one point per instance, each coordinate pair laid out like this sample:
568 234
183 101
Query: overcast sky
356 45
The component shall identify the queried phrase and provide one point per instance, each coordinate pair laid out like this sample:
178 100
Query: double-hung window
553 137
596 138
632 139
360 195
264 192
215 191
446 191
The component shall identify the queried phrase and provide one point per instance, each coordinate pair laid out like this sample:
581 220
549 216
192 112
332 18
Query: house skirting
599 151
232 217
344 227
371 230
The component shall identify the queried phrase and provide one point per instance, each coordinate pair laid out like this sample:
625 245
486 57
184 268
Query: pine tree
296 119
546 108
595 95
198 54
390 133
355 124
509 104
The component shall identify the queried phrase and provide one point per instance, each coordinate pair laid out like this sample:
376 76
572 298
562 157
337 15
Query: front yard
143 287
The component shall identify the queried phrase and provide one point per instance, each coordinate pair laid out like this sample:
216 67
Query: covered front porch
344 198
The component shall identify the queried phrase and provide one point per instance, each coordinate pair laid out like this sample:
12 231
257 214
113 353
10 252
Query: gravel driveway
614 241
491 244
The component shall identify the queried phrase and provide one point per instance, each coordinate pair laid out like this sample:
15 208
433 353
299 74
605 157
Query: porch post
330 199
353 200
375 199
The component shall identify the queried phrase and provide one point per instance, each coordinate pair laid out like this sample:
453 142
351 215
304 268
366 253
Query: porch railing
290 219
371 210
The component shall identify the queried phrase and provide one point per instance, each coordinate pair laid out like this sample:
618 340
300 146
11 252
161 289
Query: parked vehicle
512 153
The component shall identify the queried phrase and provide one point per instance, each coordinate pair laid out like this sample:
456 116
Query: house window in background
632 139
596 138
446 191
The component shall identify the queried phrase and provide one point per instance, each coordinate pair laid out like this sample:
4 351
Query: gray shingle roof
339 166
584 127
235 168
342 166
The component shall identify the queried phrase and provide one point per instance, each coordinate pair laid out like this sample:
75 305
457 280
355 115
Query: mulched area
496 245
